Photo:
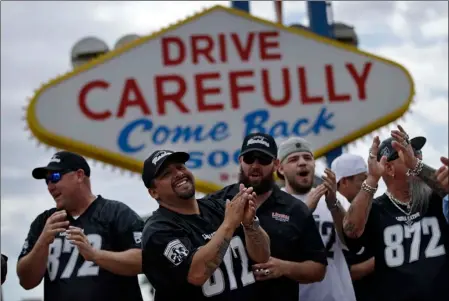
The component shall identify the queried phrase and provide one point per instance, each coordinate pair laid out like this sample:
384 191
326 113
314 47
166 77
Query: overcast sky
36 38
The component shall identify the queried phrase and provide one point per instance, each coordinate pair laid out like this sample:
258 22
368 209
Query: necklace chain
397 202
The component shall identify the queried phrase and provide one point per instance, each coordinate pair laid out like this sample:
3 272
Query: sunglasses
55 177
251 158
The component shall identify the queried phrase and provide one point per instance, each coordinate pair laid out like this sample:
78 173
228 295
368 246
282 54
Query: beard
420 194
185 194
259 187
298 188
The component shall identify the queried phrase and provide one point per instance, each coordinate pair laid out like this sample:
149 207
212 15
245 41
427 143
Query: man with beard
405 227
298 254
297 167
195 249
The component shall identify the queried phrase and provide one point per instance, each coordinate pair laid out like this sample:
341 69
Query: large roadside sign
203 84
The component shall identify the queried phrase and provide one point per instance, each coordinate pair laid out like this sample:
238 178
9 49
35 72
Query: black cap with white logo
154 162
62 161
259 142
386 148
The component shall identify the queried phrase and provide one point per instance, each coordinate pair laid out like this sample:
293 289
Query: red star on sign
224 176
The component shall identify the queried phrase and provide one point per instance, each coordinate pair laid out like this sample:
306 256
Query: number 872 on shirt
56 258
397 236
216 283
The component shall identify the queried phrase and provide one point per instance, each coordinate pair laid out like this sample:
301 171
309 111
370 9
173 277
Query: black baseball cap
62 161
259 142
386 148
154 162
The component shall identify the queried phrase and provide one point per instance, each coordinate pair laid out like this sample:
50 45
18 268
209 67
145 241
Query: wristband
368 189
254 225
417 170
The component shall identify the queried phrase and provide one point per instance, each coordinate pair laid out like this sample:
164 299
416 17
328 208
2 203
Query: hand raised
315 195
376 168
235 209
442 174
402 145
330 182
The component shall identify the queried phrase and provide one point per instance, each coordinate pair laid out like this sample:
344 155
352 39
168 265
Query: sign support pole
319 24
242 5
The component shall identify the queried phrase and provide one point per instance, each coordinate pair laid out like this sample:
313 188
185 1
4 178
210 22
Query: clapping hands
242 208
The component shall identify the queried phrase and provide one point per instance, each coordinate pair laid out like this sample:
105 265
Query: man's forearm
31 268
357 215
209 257
362 269
257 244
427 174
304 272
126 263
338 215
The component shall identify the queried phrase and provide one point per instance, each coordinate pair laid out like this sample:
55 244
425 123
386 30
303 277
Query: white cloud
435 110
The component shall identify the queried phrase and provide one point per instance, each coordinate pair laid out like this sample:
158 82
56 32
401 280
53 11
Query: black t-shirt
293 235
363 287
109 225
4 267
170 240
411 262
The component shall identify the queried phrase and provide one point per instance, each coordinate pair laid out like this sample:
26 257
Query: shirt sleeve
33 234
4 267
129 226
166 258
311 244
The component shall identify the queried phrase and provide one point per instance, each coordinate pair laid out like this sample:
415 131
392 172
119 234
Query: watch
334 205
254 225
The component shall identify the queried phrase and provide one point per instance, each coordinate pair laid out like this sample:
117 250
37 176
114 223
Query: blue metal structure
319 24
242 5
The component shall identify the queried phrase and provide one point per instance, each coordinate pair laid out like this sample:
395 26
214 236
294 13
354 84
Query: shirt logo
25 246
159 156
361 251
385 152
408 220
55 159
176 252
208 236
137 237
259 140
280 217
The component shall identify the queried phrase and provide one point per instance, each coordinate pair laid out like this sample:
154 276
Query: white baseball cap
348 165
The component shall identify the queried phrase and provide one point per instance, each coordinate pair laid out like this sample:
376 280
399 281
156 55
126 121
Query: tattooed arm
355 219
209 257
428 175
257 243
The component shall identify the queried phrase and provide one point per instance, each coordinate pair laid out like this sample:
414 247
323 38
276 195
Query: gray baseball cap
293 145
290 146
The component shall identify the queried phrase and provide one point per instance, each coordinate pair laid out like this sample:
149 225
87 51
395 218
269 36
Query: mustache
181 177
255 169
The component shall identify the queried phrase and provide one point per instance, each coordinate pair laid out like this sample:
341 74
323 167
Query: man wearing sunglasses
87 247
297 251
